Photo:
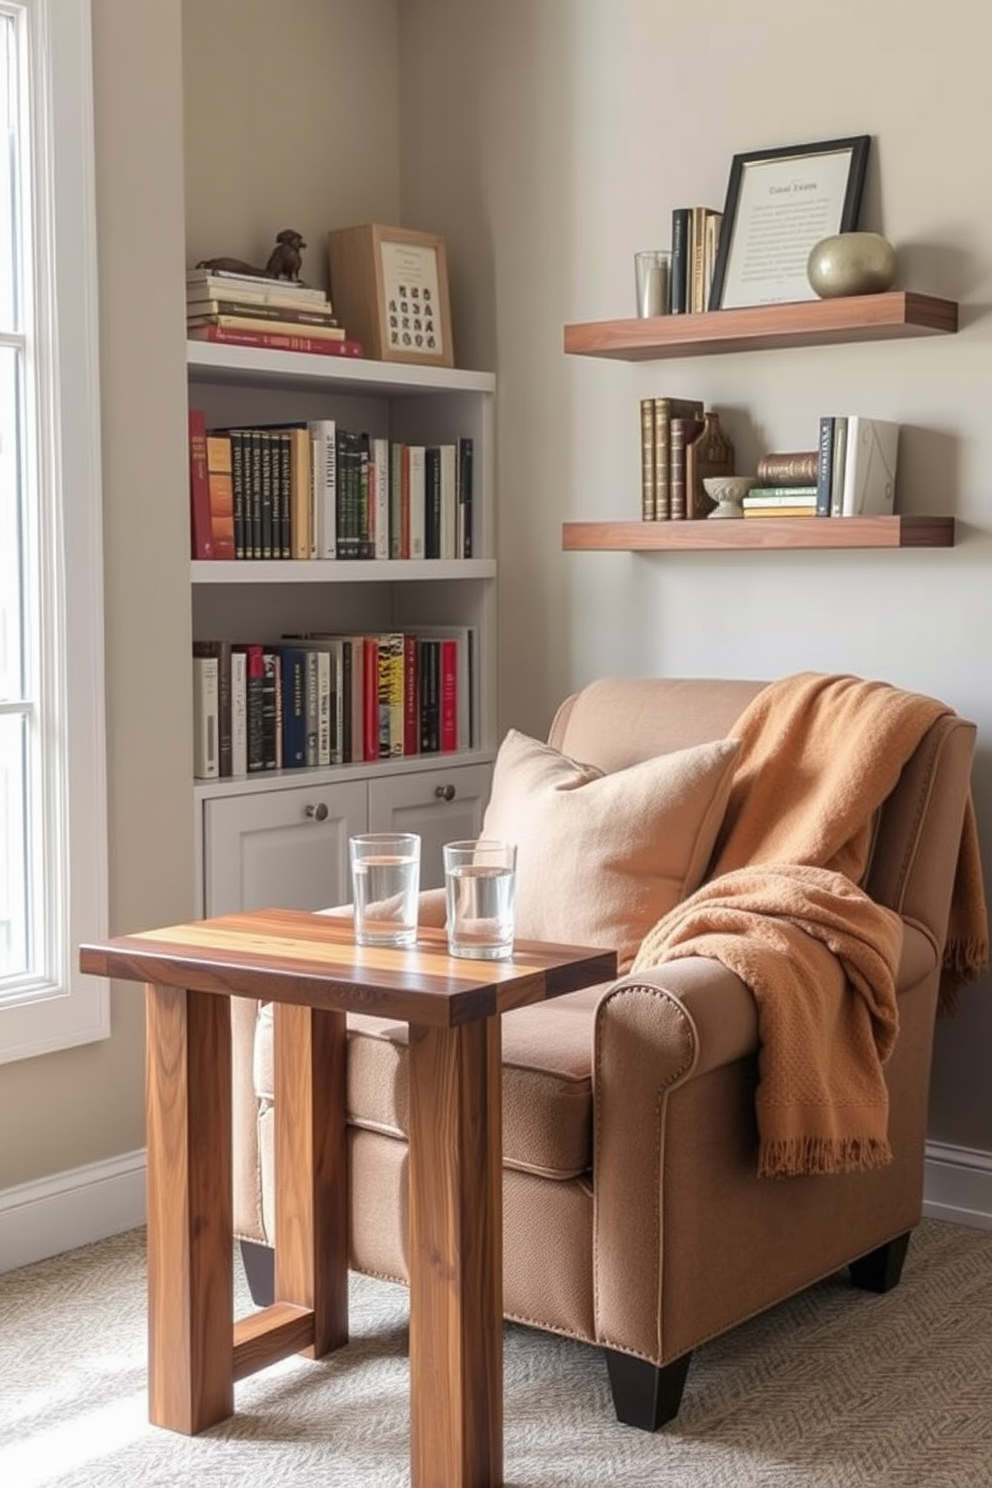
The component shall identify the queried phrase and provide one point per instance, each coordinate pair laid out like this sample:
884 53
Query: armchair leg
646 1395
259 1262
880 1270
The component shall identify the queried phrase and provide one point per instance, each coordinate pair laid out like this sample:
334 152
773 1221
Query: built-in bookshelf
280 836
857 318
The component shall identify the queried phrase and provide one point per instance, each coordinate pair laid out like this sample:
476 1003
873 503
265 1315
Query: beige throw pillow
601 857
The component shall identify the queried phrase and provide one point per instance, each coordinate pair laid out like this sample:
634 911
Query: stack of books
856 470
254 310
786 485
695 243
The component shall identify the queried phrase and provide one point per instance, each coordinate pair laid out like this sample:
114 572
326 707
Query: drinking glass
385 883
480 895
651 274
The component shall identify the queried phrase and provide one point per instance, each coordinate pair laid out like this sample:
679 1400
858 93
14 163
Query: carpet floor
833 1388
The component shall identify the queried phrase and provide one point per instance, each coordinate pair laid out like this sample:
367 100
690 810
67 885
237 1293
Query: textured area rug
833 1388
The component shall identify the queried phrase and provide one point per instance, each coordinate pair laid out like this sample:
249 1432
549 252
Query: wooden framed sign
389 289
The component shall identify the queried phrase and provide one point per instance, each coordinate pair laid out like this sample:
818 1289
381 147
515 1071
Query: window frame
59 1007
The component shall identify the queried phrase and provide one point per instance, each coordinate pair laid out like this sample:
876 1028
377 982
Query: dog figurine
285 260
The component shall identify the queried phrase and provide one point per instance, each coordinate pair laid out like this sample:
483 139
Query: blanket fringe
793 1156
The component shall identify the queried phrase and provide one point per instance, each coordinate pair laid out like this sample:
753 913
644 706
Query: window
53 832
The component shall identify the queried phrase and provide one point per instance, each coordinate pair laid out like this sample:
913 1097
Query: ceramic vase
851 263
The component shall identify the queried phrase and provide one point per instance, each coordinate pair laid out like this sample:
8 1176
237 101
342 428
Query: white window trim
71 1009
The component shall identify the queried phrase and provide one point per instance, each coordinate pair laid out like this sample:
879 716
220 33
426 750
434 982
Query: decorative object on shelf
779 203
728 491
285 260
652 269
851 263
710 454
390 288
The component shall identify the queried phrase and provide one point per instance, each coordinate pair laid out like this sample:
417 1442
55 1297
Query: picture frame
389 289
779 204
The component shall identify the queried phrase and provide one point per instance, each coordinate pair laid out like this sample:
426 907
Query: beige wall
562 139
547 139
291 121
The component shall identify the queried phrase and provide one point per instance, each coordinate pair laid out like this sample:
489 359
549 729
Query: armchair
634 1216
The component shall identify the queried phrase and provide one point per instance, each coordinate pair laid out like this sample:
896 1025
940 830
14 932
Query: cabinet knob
444 792
316 813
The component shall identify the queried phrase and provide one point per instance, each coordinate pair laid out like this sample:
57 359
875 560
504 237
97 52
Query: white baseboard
59 1213
55 1214
957 1185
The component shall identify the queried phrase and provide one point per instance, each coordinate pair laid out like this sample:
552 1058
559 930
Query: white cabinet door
284 848
443 805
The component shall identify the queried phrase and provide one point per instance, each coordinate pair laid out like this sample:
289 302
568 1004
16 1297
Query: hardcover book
218 312
272 340
206 702
869 485
837 465
682 431
260 324
294 706
221 284
786 468
680 260
466 449
824 465
665 409
220 483
647 460
201 530
324 484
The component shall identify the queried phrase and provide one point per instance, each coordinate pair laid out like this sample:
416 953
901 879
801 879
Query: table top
287 955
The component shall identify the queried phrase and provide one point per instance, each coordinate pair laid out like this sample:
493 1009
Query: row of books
695 242
318 490
327 699
851 473
681 443
254 310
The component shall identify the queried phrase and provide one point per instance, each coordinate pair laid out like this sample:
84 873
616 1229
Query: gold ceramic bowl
851 264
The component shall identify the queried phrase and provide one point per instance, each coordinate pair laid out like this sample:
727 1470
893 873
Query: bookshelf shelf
898 314
768 533
340 571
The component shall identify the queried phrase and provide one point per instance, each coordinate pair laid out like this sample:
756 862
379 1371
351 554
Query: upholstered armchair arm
658 1032
655 1030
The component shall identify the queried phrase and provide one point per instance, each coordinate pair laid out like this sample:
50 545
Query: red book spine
275 341
201 531
449 694
411 696
370 700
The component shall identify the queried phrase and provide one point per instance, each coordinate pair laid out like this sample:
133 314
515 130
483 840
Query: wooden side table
308 965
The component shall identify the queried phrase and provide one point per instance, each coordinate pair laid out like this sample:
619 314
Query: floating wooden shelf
764 532
880 317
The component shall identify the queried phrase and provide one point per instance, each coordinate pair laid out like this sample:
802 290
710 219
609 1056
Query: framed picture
389 289
779 204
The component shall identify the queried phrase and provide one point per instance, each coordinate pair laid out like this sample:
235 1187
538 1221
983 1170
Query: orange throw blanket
782 909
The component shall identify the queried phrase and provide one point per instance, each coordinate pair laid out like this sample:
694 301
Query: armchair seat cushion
547 1081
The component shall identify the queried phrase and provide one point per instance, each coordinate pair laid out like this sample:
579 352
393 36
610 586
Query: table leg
190 1218
311 1169
456 1257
